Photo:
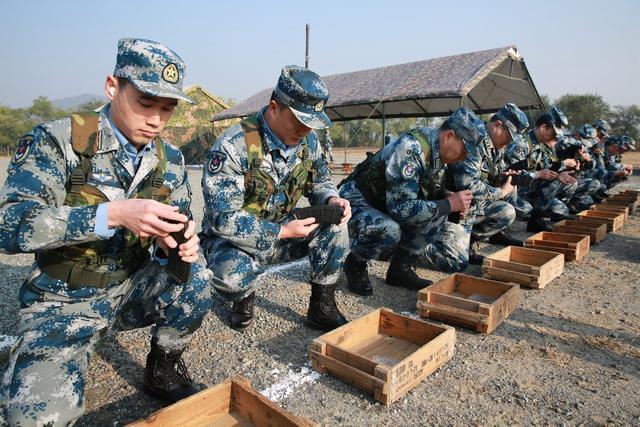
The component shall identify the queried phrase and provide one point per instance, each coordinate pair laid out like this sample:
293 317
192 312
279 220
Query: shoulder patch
23 150
409 169
216 162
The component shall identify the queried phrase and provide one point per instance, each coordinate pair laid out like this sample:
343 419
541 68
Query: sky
234 49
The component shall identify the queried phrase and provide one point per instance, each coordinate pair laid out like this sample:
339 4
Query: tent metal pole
383 124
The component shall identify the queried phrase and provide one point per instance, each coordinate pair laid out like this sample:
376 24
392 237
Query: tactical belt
77 275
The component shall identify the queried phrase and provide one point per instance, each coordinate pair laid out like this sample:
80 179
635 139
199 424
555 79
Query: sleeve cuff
443 207
101 227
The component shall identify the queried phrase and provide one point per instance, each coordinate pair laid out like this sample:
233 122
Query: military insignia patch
171 74
319 106
23 150
216 162
409 170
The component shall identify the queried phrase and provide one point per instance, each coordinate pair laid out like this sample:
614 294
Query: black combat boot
401 272
503 238
357 276
323 312
474 257
166 376
242 312
537 223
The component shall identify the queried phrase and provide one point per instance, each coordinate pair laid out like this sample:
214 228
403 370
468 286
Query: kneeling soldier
256 172
400 204
90 195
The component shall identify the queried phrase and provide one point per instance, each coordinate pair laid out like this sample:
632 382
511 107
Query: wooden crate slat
399 345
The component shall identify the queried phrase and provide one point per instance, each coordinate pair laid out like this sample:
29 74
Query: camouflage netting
190 127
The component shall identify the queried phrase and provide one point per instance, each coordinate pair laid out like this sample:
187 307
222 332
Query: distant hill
74 101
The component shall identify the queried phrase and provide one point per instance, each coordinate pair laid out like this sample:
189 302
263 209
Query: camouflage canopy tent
483 81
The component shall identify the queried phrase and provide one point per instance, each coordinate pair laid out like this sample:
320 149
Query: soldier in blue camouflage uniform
255 174
90 195
552 186
400 204
578 147
490 214
617 171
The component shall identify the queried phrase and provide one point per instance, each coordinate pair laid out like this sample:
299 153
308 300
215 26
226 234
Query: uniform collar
273 142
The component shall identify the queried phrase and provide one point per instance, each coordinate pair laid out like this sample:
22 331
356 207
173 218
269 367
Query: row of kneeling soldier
100 197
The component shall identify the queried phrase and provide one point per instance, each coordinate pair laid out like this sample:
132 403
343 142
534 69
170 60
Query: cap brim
318 120
160 90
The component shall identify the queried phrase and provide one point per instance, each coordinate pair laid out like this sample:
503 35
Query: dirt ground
569 354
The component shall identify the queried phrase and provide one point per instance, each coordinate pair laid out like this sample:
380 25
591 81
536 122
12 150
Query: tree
13 124
582 109
626 121
89 106
42 110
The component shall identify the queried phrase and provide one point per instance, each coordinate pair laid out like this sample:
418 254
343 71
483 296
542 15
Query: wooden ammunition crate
612 208
595 231
574 247
384 353
231 403
479 304
531 268
613 220
631 192
631 204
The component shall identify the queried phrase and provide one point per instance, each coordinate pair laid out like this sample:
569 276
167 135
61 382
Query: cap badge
319 106
170 73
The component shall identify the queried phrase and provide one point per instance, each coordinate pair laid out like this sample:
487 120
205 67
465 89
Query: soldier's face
139 117
451 147
285 125
545 134
499 135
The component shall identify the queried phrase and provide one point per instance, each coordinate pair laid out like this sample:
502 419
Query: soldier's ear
111 87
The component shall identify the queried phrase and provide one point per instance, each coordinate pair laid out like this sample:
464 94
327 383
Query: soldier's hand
565 178
298 228
506 188
570 163
145 218
628 168
460 201
586 157
188 251
546 174
345 205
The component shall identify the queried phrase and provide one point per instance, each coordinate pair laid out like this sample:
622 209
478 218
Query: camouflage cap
603 126
558 120
151 67
627 143
514 120
469 128
305 93
587 134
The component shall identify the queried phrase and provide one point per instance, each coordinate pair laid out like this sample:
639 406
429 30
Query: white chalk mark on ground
286 266
292 380
7 341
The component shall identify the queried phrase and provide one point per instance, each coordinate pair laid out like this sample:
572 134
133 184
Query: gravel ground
570 353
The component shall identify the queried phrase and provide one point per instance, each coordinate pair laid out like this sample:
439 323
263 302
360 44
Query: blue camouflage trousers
59 328
235 271
551 197
441 245
519 202
497 216
585 190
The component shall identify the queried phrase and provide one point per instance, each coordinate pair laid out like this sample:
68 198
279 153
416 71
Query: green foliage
89 106
42 110
368 133
585 108
626 121
13 124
